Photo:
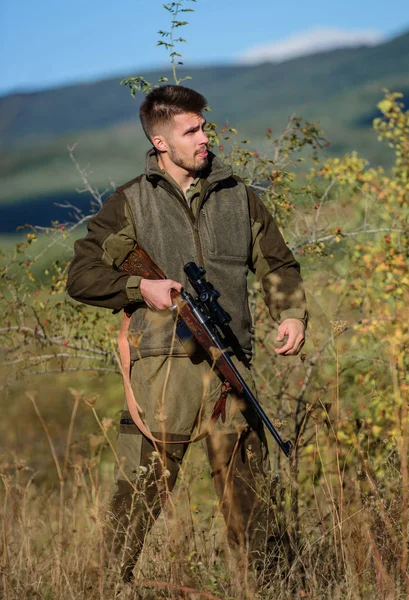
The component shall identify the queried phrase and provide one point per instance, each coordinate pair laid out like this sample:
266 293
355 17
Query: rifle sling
134 409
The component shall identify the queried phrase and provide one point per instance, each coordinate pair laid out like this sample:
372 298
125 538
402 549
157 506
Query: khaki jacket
230 233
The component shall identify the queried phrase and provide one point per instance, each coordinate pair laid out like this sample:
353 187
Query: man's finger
288 346
298 344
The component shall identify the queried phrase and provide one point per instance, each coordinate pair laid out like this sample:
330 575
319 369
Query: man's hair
166 101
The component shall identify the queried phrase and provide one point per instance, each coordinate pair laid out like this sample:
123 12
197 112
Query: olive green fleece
229 232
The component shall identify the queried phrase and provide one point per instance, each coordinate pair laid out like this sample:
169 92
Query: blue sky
52 42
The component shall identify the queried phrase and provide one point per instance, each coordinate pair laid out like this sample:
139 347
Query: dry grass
347 541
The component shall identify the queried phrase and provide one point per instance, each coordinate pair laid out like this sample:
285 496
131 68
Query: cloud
311 41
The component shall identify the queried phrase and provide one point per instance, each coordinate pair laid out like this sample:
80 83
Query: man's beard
196 163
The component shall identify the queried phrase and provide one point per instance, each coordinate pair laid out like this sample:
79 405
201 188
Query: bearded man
187 206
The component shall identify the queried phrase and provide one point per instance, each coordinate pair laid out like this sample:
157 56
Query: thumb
280 336
175 285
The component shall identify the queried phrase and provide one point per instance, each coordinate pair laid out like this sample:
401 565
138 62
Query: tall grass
347 540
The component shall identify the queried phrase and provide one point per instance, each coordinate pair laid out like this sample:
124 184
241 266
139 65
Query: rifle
203 319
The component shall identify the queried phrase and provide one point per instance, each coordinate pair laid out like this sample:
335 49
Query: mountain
340 88
266 87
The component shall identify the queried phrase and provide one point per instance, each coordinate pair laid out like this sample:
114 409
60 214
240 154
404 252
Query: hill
339 88
259 89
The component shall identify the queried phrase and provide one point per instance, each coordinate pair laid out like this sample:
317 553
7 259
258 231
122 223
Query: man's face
186 141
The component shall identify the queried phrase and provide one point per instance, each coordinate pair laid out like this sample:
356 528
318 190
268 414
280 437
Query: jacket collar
215 171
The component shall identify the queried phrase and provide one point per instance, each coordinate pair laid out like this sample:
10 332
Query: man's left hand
295 330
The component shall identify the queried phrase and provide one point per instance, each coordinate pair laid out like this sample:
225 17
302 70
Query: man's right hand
156 292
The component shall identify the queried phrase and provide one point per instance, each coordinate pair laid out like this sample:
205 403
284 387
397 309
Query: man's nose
204 139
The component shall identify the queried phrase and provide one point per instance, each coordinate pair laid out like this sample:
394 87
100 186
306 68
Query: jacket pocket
225 235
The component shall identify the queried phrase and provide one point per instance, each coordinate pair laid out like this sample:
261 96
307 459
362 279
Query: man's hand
156 292
295 330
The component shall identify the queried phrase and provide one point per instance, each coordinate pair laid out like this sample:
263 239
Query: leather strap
220 408
134 409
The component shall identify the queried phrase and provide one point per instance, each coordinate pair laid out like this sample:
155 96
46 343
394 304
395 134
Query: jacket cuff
294 313
133 290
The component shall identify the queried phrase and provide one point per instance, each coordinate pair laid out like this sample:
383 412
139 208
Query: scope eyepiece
193 271
206 293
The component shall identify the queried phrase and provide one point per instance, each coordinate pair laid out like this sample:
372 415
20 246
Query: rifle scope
206 293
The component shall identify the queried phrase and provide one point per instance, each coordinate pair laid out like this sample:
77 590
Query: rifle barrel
245 391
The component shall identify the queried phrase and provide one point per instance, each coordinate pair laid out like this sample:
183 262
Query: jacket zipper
192 220
203 194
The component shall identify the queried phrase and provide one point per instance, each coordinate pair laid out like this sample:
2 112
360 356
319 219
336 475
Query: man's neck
183 178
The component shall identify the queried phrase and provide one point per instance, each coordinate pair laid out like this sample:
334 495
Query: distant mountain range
340 88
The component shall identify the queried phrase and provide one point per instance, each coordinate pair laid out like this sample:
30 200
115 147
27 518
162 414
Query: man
186 206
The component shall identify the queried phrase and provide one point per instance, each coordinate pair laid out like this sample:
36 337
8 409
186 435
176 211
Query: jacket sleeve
274 265
93 277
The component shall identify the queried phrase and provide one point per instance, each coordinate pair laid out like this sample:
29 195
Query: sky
55 42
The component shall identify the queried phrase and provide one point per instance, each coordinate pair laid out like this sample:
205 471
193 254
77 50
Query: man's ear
160 143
